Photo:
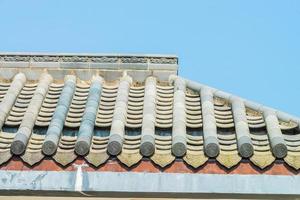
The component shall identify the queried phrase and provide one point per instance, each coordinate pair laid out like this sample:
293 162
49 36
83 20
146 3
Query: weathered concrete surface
37 180
114 183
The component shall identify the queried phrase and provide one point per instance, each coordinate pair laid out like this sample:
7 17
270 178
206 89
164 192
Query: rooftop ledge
89 61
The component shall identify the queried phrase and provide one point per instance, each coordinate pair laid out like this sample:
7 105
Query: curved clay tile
24 132
85 133
153 119
195 155
119 118
5 143
242 128
278 145
149 115
162 155
130 154
59 116
211 144
179 118
10 96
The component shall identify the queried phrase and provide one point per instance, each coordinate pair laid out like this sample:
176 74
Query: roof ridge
77 61
86 54
248 103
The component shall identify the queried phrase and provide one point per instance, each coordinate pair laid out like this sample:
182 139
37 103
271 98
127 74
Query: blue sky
249 48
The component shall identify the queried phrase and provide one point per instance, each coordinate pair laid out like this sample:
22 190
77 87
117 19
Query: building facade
130 126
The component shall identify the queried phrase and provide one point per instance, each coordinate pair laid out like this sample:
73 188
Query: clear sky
249 48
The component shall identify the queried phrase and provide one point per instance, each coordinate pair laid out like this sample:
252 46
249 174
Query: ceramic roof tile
129 118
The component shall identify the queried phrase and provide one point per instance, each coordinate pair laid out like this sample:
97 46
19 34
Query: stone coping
90 61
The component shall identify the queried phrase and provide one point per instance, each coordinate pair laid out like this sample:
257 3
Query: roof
133 109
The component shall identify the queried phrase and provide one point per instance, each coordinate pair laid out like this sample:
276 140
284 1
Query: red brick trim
114 165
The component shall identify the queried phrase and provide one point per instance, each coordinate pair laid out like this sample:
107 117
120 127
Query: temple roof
109 123
66 106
